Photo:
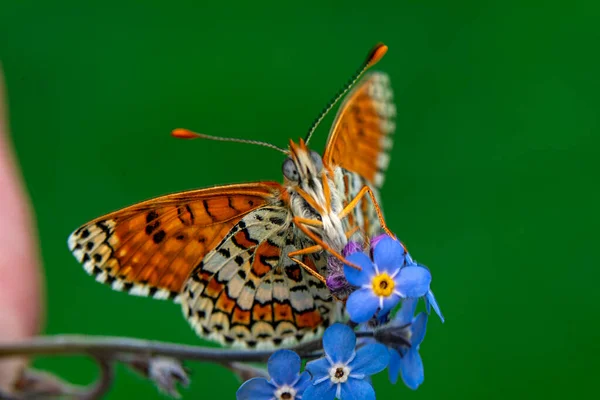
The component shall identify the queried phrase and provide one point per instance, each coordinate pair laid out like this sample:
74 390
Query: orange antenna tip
376 54
181 133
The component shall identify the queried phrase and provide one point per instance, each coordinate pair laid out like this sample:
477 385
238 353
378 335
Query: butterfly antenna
187 134
374 56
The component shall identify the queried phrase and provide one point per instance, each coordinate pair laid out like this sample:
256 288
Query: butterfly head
303 167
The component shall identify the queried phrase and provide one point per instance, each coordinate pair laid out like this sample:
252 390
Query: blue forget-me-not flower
404 353
344 371
383 281
286 381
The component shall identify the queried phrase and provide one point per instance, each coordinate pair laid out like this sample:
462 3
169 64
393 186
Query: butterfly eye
290 171
316 159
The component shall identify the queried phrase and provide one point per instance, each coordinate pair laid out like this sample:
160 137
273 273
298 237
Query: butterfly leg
308 250
357 199
306 221
300 224
352 232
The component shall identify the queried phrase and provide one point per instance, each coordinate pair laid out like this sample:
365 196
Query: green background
492 184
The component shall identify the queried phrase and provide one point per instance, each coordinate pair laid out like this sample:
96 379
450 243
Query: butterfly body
224 252
314 195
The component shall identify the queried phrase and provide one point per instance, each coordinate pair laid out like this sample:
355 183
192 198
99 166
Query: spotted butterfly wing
150 248
248 293
222 253
359 144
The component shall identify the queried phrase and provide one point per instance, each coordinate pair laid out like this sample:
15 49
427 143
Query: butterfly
248 261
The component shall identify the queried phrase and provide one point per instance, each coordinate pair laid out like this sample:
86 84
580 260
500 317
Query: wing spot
207 209
299 288
102 225
151 216
159 236
277 220
263 335
225 252
84 234
151 227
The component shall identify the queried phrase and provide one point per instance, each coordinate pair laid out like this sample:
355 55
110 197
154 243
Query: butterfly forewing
360 138
151 248
359 144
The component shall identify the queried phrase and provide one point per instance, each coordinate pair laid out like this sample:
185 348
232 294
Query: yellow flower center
383 285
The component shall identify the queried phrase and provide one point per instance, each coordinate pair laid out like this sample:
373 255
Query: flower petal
412 369
318 368
284 366
357 389
418 328
356 277
302 383
376 239
255 389
430 301
322 391
370 359
362 305
407 311
389 303
339 342
394 366
413 281
388 255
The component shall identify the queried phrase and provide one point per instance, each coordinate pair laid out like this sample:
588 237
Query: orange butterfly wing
150 248
359 140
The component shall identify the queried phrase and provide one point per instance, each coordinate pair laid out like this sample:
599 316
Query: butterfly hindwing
150 248
248 293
